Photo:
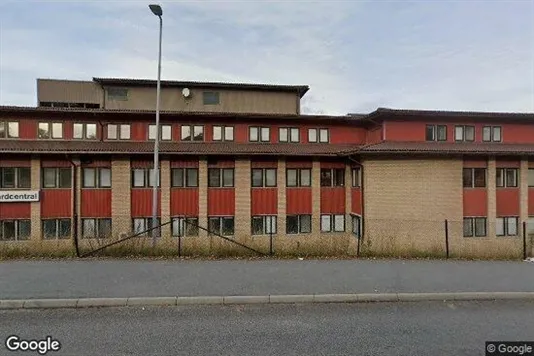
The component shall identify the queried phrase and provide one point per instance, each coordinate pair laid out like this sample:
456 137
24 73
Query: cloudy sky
355 55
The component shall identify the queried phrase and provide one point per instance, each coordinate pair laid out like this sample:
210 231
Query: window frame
263 172
472 177
316 133
334 174
183 230
16 229
356 183
298 177
472 222
223 129
506 225
147 177
266 225
356 231
220 220
16 178
161 127
331 228
58 230
433 132
84 127
464 133
211 97
186 182
299 224
97 174
321 130
530 184
57 180
97 223
5 129
221 177
117 93
504 178
291 132
490 130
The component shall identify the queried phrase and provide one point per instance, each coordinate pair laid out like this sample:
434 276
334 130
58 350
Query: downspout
362 227
75 206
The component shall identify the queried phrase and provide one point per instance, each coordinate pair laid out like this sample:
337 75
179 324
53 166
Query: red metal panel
264 201
405 131
374 135
52 163
142 202
176 132
15 162
333 200
27 129
518 133
96 203
68 128
346 134
507 201
208 133
298 200
56 203
264 163
184 201
332 164
475 202
221 163
298 164
501 163
221 201
103 163
356 201
475 163
241 133
141 163
185 163
139 131
531 201
15 210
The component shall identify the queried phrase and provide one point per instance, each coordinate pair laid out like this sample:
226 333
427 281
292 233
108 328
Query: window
464 133
263 225
332 177
324 135
506 226
475 227
288 134
192 133
15 230
436 133
9 129
56 229
298 177
165 130
117 94
184 177
298 224
506 177
430 133
356 177
96 178
96 228
123 131
182 226
11 177
223 133
56 178
220 177
531 177
84 131
210 98
256 134
264 177
474 177
356 225
332 223
143 227
312 135
144 177
221 226
491 134
50 130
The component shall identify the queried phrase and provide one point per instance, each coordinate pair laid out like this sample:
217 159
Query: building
241 161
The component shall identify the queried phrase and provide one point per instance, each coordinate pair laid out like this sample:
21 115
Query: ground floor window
506 226
56 229
15 230
182 226
356 225
263 225
96 228
141 226
298 224
332 223
475 226
221 225
530 226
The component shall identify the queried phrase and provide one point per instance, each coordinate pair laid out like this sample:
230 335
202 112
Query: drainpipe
361 201
75 204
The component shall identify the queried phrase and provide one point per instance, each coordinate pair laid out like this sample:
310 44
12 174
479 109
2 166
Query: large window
221 225
259 134
506 177
436 133
192 133
491 134
332 223
298 177
318 135
220 177
332 177
11 177
182 226
210 98
15 230
223 133
9 129
144 177
96 228
141 227
117 94
506 226
56 178
356 226
165 132
263 225
298 224
184 177
475 227
119 132
56 229
264 177
84 131
288 134
96 178
474 177
464 133
50 130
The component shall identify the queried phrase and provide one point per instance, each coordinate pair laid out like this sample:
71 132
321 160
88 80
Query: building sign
18 196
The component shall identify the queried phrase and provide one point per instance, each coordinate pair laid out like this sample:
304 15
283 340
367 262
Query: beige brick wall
316 197
203 196
523 190
121 196
165 174
492 197
36 207
242 201
353 241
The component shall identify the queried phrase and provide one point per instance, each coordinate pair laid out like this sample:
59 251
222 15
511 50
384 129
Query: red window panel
141 202
264 201
184 201
221 201
333 200
56 203
298 201
475 202
95 203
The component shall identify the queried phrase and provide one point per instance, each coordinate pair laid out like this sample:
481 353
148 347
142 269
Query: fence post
524 240
179 246
446 238
271 237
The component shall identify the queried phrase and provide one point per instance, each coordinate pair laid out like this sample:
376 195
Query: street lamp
156 10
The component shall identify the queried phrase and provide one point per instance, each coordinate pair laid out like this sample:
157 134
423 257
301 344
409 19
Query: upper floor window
223 133
220 177
210 98
184 177
356 177
117 93
50 130
474 177
464 133
84 131
9 129
298 177
318 135
332 177
531 177
264 177
256 134
121 131
506 177
436 133
491 134
165 130
144 177
56 177
96 178
192 133
288 134
11 177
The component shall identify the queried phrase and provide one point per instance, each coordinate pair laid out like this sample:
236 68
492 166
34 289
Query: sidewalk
142 278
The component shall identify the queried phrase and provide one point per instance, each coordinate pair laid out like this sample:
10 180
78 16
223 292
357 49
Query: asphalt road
325 329
145 278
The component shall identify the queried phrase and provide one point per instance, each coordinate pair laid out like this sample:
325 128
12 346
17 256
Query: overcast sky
355 55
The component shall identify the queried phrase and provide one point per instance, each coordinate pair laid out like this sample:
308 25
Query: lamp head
156 9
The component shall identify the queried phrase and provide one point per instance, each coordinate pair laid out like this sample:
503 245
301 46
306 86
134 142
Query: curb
78 303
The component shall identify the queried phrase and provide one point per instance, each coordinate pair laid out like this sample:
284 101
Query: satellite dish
186 92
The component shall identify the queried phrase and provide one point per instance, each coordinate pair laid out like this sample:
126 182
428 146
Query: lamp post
156 10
